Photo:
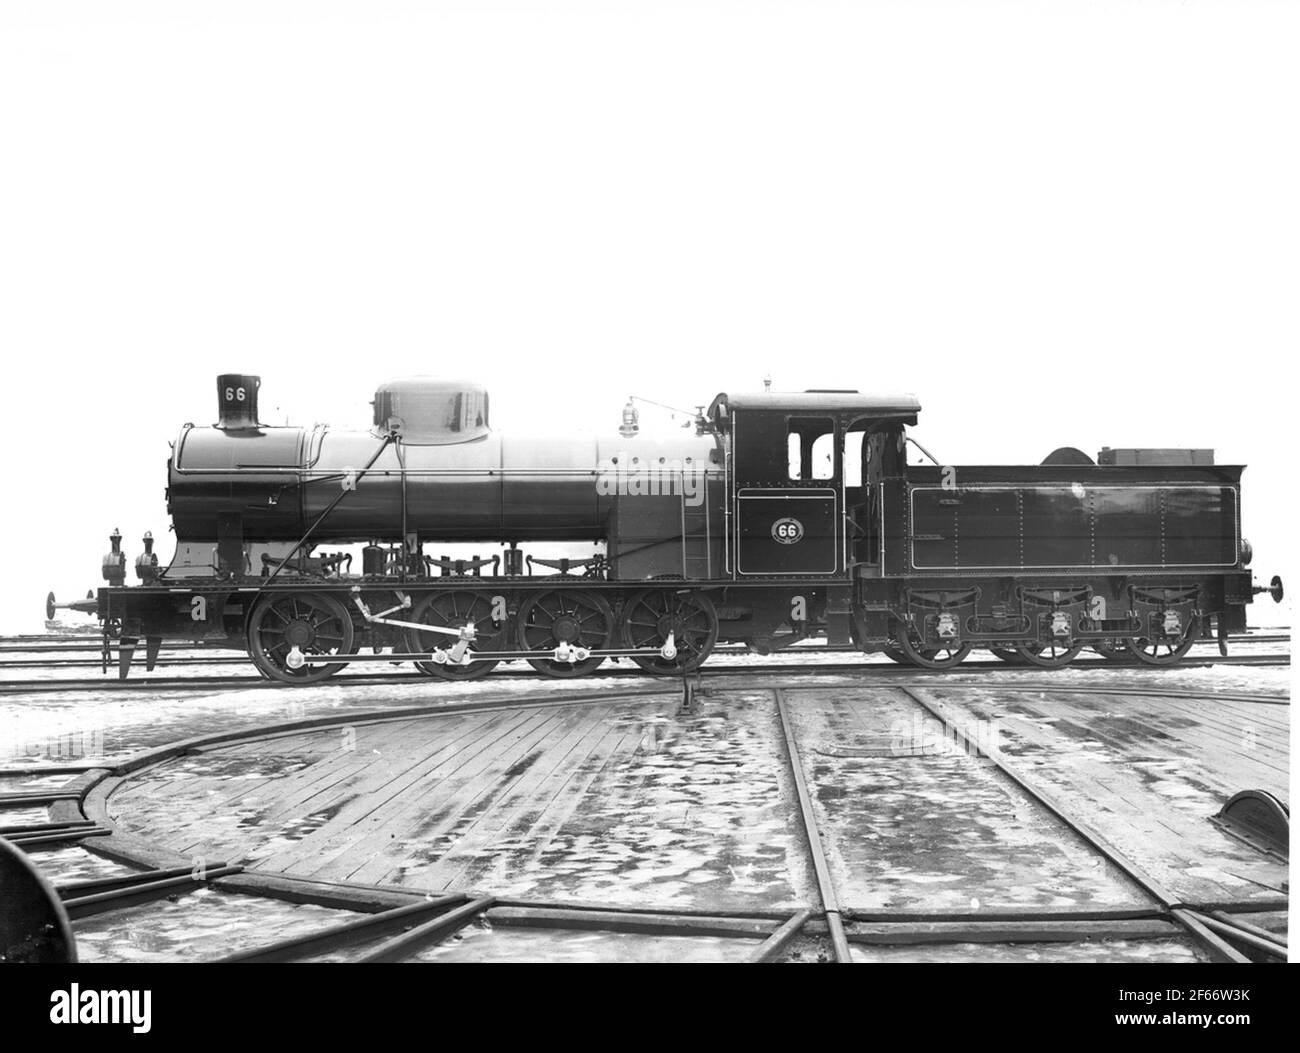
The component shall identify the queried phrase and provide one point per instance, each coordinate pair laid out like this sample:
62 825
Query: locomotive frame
809 523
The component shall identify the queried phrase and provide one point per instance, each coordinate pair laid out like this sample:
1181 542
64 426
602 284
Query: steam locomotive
774 518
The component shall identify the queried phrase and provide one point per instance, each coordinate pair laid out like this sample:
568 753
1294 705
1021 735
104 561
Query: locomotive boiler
430 470
774 518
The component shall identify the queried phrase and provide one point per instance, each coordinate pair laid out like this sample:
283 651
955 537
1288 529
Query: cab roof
845 403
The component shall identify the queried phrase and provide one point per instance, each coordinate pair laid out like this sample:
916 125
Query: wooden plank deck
620 802
626 803
1148 773
915 824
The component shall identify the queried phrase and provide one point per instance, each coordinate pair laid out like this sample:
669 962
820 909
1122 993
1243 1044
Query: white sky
1058 224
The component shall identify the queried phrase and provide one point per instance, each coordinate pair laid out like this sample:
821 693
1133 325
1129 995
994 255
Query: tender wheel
1114 651
452 610
918 653
1007 654
303 622
689 616
1048 656
581 619
1164 651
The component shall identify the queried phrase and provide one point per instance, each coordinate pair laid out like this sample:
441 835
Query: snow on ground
79 725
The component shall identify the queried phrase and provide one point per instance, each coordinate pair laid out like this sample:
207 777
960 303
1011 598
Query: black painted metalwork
789 515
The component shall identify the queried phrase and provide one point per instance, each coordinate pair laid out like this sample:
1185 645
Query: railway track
1209 926
384 925
94 645
396 924
1192 919
237 660
874 669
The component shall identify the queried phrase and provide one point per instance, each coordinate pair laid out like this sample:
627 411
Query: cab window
810 448
853 451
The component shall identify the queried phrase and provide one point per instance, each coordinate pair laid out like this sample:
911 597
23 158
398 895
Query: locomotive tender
777 518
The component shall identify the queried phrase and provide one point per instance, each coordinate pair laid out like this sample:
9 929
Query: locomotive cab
806 476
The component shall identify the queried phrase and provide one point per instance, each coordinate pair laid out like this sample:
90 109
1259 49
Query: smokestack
237 401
